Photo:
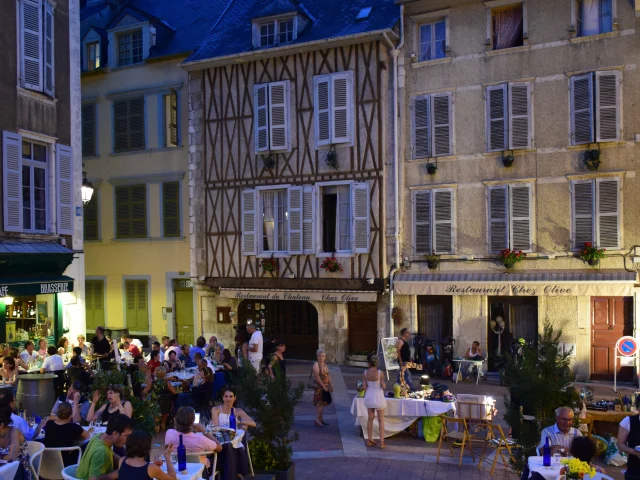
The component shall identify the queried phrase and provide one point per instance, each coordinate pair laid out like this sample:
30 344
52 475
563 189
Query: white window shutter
308 203
261 117
420 117
12 181
608 208
249 211
342 105
295 220
608 106
31 44
279 115
360 205
520 217
583 212
441 119
66 200
520 119
443 221
49 51
496 118
422 222
322 111
582 109
498 211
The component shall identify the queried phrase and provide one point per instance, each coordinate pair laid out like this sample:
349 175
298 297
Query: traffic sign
627 346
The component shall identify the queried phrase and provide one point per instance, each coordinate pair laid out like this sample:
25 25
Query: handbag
311 383
326 397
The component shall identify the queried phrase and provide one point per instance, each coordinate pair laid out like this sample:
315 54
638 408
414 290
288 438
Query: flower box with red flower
511 257
591 255
331 264
269 264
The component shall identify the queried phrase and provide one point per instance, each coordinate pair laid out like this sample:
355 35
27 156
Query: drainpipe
395 53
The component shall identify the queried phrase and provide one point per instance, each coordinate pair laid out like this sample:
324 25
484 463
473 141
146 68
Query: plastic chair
459 435
194 457
498 440
53 463
69 473
35 456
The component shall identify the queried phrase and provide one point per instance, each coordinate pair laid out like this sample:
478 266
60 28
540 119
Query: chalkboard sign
389 353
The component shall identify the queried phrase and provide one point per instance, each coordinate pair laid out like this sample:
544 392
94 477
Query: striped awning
550 283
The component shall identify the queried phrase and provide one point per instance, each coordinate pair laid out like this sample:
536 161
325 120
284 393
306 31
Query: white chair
52 464
194 457
35 456
69 473
598 476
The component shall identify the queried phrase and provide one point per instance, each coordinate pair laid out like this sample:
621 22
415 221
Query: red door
611 318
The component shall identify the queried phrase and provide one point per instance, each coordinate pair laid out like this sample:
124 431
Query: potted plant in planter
591 159
511 257
332 158
331 264
507 159
433 260
432 168
269 264
268 161
591 255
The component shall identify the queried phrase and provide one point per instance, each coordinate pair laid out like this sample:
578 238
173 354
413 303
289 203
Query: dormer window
130 48
274 32
93 55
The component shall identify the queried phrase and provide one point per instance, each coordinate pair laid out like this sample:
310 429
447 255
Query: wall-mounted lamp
7 300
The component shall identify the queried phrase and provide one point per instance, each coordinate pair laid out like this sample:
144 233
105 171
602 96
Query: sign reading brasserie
316 296
17 289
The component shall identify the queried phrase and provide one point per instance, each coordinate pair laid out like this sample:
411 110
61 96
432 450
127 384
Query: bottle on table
182 456
546 454
232 419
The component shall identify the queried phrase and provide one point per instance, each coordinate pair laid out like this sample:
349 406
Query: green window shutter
173 117
88 130
131 211
130 301
136 305
171 209
128 128
136 124
142 306
94 300
90 218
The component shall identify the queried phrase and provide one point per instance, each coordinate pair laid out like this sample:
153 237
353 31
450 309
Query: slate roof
329 19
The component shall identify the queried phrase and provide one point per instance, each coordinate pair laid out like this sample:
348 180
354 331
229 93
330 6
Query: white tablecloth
8 470
193 471
549 473
398 414
184 375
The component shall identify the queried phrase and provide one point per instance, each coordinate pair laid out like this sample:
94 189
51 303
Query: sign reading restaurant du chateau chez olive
523 289
303 295
35 288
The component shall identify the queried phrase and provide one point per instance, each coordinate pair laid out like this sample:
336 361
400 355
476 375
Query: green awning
32 259
20 286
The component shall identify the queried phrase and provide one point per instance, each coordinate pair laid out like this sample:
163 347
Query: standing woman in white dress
374 398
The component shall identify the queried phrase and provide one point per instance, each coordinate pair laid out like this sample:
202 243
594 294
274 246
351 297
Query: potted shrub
591 159
433 260
507 159
268 161
269 264
332 158
271 403
511 257
331 264
432 168
591 255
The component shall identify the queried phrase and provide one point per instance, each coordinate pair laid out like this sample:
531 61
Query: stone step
356 363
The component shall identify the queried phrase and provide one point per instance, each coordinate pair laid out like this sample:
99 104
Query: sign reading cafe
36 288
303 295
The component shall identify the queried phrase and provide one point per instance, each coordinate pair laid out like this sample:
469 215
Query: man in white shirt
29 354
255 346
53 362
561 434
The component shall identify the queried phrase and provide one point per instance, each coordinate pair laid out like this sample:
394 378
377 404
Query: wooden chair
53 463
500 442
460 435
589 423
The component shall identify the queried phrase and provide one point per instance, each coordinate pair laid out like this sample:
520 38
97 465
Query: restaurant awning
19 286
29 259
300 295
617 283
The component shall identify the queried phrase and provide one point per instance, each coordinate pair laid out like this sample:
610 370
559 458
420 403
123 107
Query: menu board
389 353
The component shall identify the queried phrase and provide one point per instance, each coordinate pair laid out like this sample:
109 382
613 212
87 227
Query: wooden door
611 318
435 320
363 326
184 316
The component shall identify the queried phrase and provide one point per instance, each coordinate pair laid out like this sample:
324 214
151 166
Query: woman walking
374 398
322 393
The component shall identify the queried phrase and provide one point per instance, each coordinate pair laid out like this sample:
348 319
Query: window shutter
94 303
520 217
142 316
498 208
12 181
249 207
66 200
443 221
123 215
131 304
261 117
49 51
360 205
139 211
422 222
173 117
90 218
607 106
342 103
608 213
308 203
583 210
496 118
279 115
31 44
121 126
88 130
322 110
520 115
295 220
441 121
88 303
582 109
136 124
171 209
420 119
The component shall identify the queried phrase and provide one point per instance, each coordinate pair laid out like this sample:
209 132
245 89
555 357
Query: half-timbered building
290 136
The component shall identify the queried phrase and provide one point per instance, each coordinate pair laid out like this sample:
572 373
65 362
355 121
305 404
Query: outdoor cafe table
192 473
606 421
549 473
8 470
399 413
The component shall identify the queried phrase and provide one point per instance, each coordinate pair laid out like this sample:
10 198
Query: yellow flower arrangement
577 469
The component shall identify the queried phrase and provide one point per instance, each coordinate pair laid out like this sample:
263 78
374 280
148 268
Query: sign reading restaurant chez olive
36 288
304 295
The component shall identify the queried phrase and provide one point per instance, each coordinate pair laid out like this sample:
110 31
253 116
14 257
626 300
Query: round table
193 471
549 473
8 470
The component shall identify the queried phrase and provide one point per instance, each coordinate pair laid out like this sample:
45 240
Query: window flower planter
331 264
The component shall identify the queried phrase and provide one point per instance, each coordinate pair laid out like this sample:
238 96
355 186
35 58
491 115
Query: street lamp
87 189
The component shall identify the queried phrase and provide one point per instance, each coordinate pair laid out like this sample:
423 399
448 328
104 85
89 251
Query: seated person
201 385
53 362
8 398
161 385
42 347
29 353
475 353
193 442
153 362
80 373
135 465
116 404
584 449
13 352
155 347
185 358
79 404
98 460
9 371
172 364
13 443
561 434
63 432
77 352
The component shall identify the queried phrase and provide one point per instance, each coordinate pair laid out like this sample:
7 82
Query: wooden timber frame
232 165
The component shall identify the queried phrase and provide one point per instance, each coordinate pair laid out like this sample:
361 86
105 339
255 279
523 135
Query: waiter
102 349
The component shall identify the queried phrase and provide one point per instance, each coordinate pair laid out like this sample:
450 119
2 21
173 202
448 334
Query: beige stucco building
537 84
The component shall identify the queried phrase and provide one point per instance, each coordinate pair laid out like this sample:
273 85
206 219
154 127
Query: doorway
611 318
183 316
435 319
363 327
510 318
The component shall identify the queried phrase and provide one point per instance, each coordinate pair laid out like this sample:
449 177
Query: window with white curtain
507 25
593 17
275 217
336 218
433 40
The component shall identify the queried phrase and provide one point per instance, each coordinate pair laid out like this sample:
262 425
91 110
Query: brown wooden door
435 320
611 318
363 326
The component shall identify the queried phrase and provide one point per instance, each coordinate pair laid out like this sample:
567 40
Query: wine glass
158 459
